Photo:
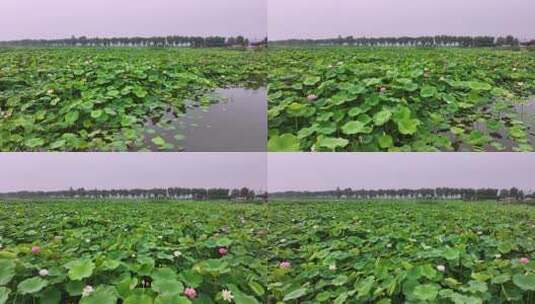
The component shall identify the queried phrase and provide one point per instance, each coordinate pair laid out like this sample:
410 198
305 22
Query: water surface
236 122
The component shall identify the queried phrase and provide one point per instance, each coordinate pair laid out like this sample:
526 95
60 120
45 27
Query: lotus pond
90 99
288 252
104 252
402 252
400 99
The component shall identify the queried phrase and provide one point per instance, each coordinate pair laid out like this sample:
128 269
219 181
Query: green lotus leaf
296 294
101 295
353 127
140 92
80 269
35 142
127 120
410 87
32 285
340 280
479 86
51 295
426 292
428 91
214 266
332 143
355 112
159 141
139 299
7 271
311 80
408 126
283 143
525 281
167 287
517 132
96 113
191 278
382 117
451 254
72 117
365 286
4 294
257 288
171 299
385 141
165 273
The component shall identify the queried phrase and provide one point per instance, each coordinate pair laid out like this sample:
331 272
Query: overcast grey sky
328 18
20 19
285 171
326 171
52 171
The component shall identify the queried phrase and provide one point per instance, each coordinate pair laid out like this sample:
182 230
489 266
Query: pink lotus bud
222 251
382 89
285 265
36 249
524 261
312 97
190 293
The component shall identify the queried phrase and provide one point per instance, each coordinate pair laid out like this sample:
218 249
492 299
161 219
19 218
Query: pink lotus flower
524 261
36 249
382 89
312 97
190 293
285 265
222 251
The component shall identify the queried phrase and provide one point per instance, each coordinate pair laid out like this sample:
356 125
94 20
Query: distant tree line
468 194
425 41
243 193
160 41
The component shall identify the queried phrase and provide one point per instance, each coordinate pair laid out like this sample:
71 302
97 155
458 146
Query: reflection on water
527 111
237 122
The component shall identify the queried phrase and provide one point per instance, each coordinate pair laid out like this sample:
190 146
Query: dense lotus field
399 99
134 253
88 99
404 252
